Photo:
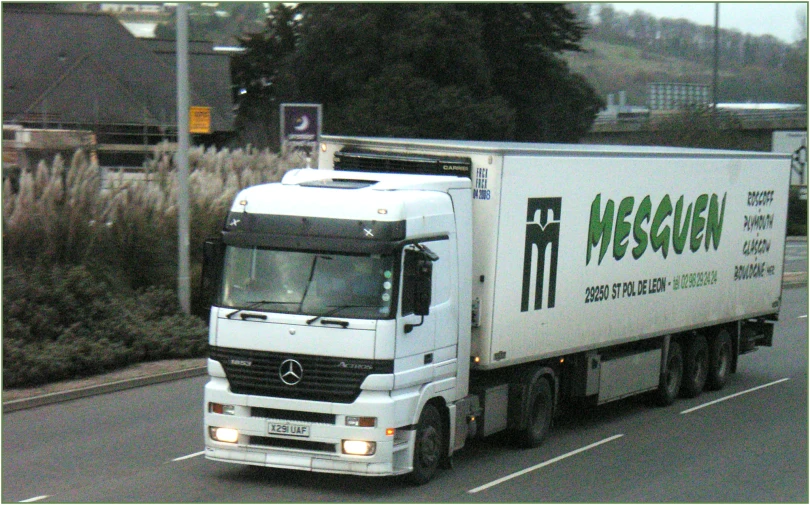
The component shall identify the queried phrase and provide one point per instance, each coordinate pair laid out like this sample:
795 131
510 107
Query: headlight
228 435
359 447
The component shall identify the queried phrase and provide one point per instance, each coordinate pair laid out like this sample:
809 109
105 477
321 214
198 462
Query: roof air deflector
338 184
356 160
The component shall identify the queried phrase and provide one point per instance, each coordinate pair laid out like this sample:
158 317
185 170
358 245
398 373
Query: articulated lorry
372 315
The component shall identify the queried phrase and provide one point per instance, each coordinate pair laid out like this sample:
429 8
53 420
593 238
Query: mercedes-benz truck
370 316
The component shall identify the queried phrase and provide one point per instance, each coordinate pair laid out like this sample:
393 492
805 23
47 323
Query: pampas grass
67 214
90 260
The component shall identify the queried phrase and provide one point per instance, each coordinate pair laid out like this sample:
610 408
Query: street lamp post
183 277
716 60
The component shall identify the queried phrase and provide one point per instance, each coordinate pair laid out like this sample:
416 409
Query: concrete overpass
754 127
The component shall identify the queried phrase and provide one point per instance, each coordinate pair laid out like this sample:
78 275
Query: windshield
273 280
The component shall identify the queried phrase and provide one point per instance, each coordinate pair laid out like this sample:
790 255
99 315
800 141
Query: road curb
111 387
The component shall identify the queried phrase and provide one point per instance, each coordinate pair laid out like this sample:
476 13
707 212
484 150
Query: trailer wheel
719 360
538 421
671 378
428 447
695 366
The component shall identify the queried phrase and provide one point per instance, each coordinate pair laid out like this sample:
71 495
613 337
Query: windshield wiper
338 309
312 276
254 304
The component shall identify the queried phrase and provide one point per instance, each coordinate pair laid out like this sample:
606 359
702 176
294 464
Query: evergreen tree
466 71
523 43
256 76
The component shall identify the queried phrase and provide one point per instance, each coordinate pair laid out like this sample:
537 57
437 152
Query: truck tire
670 383
719 360
695 366
427 451
538 419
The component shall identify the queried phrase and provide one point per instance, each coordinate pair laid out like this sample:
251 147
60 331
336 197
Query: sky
756 18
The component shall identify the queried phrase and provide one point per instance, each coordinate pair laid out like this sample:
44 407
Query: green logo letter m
599 229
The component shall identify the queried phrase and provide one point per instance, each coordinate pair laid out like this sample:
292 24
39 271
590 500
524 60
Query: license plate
287 429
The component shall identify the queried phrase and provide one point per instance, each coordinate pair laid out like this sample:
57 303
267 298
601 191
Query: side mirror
213 256
418 281
423 287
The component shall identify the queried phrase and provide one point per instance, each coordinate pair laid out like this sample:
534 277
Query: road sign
199 119
300 123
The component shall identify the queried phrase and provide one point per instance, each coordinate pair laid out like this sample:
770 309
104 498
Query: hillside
612 67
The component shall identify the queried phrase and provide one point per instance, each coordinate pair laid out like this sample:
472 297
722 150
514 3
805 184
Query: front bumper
321 450
276 458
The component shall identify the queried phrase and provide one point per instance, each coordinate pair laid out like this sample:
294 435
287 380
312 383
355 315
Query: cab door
417 335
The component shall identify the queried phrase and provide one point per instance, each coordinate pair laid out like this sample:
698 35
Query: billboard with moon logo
300 124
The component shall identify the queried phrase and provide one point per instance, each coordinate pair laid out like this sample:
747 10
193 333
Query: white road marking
36 498
734 395
541 465
803 317
181 458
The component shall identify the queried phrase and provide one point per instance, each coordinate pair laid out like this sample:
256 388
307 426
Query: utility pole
716 61
183 277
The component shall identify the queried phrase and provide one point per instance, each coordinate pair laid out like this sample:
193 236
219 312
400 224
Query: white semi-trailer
370 316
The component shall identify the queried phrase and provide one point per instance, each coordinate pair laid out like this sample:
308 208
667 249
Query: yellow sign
199 120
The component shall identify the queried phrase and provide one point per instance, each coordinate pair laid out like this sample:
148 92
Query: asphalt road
145 444
796 255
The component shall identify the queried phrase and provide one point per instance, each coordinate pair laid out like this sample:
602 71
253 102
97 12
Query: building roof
87 68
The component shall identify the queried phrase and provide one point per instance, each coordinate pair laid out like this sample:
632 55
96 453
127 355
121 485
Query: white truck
370 316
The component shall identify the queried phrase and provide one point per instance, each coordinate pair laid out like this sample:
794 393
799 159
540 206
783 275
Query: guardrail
748 119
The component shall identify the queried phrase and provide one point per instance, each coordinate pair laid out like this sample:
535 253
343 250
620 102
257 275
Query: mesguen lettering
684 225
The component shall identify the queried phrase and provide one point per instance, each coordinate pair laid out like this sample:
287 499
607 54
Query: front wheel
428 447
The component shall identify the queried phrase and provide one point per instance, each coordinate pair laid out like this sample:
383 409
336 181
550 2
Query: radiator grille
288 443
293 415
324 379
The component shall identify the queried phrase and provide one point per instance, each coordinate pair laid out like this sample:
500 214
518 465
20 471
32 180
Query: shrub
90 261
62 323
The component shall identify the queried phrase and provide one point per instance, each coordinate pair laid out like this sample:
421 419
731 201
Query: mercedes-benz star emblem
291 372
